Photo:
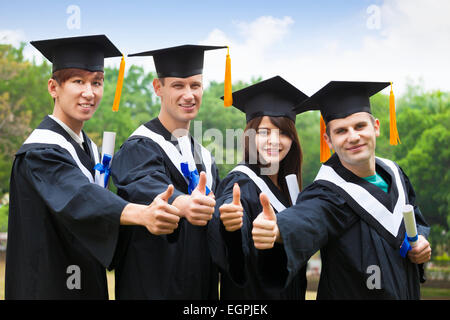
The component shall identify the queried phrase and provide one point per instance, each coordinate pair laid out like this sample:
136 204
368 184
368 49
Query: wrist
131 214
181 202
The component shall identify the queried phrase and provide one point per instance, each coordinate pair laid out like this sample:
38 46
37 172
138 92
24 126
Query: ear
327 140
52 86
157 86
376 125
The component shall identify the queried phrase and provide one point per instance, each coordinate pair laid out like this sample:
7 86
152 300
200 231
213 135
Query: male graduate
63 227
159 153
353 210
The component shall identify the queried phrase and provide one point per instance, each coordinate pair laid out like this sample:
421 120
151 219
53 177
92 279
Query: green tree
23 101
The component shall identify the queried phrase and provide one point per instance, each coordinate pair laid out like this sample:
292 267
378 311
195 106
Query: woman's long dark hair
292 163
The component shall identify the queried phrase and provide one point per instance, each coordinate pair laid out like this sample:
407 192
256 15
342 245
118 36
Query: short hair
63 75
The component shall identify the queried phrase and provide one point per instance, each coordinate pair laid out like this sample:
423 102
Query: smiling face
77 97
272 143
180 100
354 139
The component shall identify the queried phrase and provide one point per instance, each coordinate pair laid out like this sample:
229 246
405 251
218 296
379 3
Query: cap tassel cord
325 153
116 102
394 139
227 96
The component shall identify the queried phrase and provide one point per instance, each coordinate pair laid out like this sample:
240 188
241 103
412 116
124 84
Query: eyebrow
362 122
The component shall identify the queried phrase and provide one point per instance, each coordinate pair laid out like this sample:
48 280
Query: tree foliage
422 118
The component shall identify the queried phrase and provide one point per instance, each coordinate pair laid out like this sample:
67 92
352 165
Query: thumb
201 186
269 214
167 194
236 194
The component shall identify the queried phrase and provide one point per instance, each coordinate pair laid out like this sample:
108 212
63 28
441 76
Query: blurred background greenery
423 120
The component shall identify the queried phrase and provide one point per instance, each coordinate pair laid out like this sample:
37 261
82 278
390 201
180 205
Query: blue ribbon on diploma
192 176
104 167
406 246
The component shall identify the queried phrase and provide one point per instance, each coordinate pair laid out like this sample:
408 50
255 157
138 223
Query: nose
353 135
274 137
188 95
88 93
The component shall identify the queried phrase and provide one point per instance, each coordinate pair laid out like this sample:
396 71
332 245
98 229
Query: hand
421 253
265 228
231 213
197 208
160 217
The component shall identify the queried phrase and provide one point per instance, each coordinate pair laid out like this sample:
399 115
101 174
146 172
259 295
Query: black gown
239 259
352 244
174 266
58 219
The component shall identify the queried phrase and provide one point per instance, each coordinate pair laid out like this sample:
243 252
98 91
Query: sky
308 43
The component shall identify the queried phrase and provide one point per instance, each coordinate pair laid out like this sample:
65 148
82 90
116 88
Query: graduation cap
339 99
86 52
185 61
274 97
179 62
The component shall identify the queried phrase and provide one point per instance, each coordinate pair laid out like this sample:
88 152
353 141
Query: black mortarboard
339 99
86 52
274 97
179 62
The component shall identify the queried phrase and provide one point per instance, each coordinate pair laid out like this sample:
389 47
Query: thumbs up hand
197 207
265 229
231 213
160 217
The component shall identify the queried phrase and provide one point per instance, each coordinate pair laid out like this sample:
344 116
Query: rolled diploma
292 184
109 139
410 223
185 147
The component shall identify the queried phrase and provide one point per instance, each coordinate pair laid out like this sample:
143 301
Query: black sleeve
90 212
139 173
319 216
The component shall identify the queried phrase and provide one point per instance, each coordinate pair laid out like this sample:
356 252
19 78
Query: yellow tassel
227 96
325 153
116 102
394 139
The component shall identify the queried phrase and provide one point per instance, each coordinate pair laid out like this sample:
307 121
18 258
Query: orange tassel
325 153
227 96
119 85
394 139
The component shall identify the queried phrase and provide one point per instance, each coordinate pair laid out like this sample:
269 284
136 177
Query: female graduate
271 152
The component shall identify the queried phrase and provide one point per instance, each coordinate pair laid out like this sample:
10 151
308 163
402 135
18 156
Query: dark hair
63 75
292 163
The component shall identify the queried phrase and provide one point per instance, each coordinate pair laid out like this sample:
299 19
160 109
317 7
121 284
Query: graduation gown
58 220
354 245
147 266
239 259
